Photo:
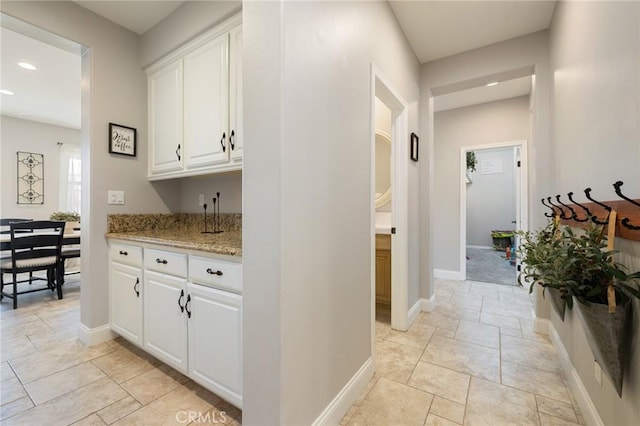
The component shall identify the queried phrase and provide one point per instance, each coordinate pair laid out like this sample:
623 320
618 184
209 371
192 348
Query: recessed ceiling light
6 92
493 83
27 66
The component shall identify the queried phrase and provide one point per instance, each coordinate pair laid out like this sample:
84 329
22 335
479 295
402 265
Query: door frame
522 185
382 88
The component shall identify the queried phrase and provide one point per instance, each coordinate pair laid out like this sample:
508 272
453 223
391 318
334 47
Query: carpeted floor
489 266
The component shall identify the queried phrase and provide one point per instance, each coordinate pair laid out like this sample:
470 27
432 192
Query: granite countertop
228 242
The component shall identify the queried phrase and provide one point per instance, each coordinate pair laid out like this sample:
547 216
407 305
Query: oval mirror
383 168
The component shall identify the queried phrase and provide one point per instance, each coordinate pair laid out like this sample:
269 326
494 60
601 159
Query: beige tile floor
47 376
474 360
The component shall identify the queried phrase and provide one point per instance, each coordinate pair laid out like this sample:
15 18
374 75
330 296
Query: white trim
195 43
338 407
428 305
414 312
448 275
383 89
481 247
524 194
589 411
93 336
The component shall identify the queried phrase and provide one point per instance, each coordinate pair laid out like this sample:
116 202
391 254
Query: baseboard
414 312
336 410
541 326
587 408
481 247
428 305
448 275
94 336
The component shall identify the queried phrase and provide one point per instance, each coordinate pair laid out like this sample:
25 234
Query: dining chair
5 222
35 246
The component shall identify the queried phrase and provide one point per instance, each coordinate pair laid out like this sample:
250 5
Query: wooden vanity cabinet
383 269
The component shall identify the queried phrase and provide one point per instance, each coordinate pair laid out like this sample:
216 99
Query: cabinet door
126 302
383 276
206 104
235 93
215 341
165 119
165 318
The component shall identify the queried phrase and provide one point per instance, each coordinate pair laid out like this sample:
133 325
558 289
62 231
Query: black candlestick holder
216 216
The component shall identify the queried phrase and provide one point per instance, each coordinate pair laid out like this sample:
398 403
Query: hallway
474 360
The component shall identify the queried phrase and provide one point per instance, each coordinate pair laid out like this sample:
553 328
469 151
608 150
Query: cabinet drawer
166 262
122 253
216 273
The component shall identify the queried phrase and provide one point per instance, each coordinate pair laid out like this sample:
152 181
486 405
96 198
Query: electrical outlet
597 372
201 200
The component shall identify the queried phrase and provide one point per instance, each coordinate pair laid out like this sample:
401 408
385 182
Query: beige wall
307 177
30 136
596 66
509 59
493 122
113 90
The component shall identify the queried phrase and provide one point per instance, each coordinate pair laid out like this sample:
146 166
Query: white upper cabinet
165 119
235 93
206 100
195 106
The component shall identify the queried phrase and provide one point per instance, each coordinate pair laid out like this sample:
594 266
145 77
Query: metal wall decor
30 178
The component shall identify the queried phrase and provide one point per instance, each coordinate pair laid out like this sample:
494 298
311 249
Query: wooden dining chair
35 246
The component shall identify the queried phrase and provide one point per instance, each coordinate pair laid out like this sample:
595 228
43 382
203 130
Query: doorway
493 208
396 228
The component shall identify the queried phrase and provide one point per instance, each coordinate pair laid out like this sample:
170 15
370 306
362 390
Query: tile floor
48 377
474 360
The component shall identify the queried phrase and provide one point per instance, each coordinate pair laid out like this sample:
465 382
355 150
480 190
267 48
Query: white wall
113 90
228 185
31 136
596 67
509 59
491 198
498 121
188 21
307 177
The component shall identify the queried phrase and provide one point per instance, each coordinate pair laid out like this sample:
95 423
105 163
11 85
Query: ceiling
435 29
482 94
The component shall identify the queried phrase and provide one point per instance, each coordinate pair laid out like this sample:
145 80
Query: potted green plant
538 254
471 165
584 267
72 220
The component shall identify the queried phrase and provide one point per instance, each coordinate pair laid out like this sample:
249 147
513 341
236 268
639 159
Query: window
70 178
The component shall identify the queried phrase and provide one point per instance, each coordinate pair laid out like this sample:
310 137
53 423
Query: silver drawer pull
212 272
163 261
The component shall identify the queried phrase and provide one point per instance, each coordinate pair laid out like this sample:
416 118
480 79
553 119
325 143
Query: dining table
69 238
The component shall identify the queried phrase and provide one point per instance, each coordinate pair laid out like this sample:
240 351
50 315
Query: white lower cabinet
215 340
165 321
126 301
194 328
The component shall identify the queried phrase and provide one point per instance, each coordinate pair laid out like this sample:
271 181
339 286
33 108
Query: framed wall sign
414 147
122 140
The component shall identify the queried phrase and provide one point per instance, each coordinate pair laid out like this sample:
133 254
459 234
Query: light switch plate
115 197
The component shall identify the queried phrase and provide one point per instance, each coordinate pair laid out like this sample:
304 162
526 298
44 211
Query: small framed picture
122 140
414 147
